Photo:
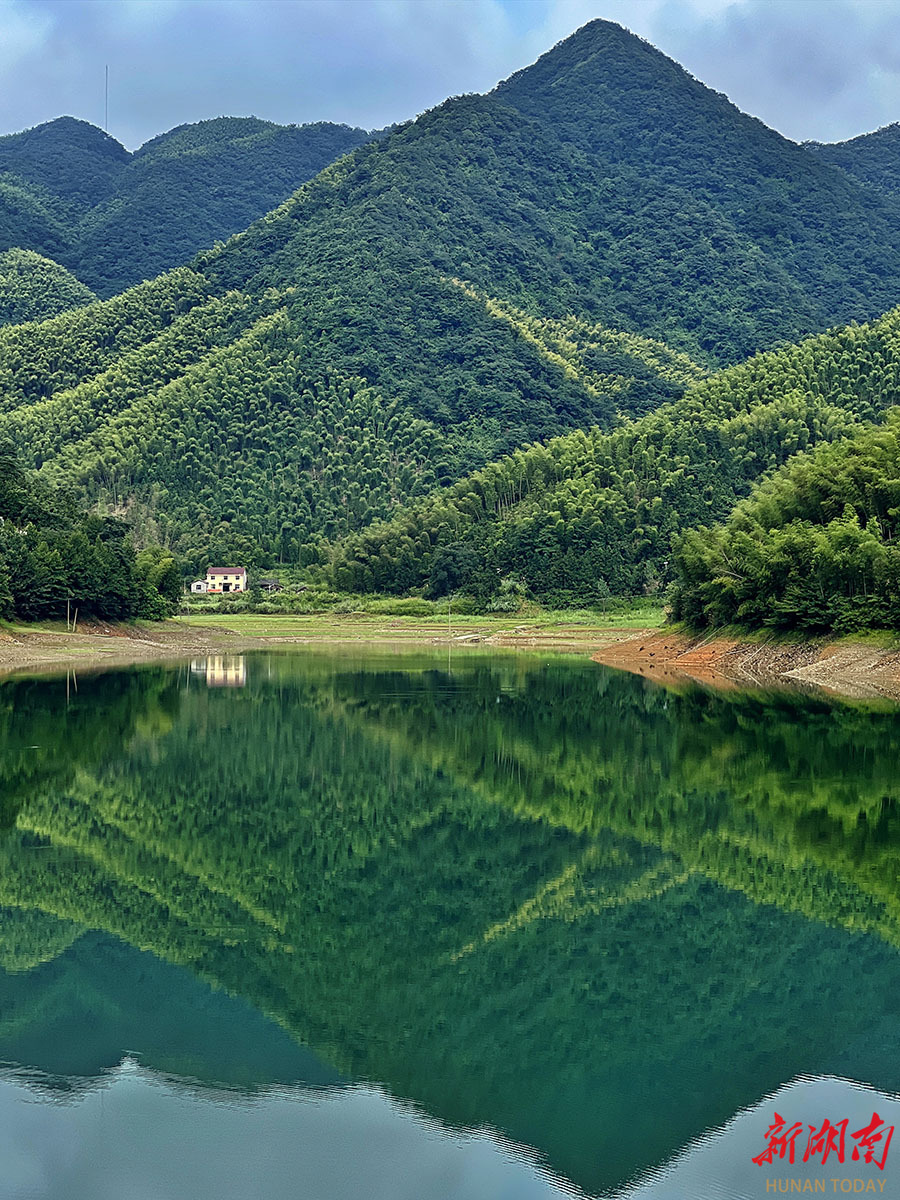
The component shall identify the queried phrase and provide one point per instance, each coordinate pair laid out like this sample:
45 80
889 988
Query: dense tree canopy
814 548
54 557
594 513
72 192
871 158
33 287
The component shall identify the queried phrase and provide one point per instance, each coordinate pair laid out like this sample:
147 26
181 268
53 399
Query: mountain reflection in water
591 916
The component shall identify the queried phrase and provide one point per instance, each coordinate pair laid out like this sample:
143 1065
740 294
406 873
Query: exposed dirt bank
854 669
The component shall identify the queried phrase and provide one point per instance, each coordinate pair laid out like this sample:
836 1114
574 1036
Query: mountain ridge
872 158
114 217
570 224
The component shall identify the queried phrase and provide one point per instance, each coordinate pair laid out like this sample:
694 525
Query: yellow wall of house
236 583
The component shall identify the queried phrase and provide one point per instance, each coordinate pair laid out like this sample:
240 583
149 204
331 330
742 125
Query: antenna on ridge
106 102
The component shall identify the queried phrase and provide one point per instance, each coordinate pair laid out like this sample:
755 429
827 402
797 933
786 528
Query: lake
325 925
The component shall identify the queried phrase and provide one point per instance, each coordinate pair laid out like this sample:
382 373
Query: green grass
35 627
886 639
574 624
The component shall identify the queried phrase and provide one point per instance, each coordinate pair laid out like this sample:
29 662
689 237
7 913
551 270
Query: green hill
114 218
872 159
594 513
579 246
68 159
33 287
602 181
621 101
814 548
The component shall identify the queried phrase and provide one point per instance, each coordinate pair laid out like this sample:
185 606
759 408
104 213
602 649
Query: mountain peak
69 158
618 97
604 46
62 132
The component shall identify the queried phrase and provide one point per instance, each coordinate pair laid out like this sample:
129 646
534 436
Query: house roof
226 570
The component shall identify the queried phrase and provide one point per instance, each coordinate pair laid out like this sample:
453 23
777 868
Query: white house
226 579
198 587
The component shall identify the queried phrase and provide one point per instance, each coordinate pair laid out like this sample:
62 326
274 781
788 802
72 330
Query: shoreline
43 650
854 669
848 668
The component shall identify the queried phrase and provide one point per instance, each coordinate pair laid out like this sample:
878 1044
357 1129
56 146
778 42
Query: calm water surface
320 927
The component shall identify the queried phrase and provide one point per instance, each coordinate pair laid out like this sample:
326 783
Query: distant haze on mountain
813 69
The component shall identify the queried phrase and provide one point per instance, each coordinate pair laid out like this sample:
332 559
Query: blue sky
825 69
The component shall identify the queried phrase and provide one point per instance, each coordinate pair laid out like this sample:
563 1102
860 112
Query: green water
329 926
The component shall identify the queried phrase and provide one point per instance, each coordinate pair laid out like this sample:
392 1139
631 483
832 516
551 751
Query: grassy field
552 626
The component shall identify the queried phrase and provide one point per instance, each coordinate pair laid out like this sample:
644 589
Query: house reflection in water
222 670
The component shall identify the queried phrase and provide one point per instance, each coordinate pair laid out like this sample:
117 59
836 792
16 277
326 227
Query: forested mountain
208 411
581 245
72 192
872 158
594 512
33 287
603 181
815 548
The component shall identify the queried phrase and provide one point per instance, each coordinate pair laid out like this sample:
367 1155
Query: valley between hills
595 337
358 488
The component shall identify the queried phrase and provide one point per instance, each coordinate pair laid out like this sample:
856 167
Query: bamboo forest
449 599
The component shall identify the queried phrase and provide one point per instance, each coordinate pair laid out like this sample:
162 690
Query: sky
819 69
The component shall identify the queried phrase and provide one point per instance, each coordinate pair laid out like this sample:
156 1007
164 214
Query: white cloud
811 68
23 30
825 69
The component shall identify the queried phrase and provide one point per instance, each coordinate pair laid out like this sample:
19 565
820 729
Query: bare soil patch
854 669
